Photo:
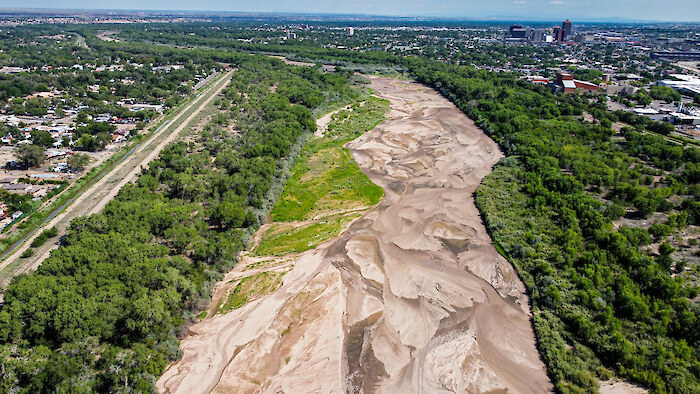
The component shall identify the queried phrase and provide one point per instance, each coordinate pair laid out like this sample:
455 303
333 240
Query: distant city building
559 34
676 55
687 116
351 31
537 79
566 27
687 84
19 188
565 83
13 70
517 31
537 35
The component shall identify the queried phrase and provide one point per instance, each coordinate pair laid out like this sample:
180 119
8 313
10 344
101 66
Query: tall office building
517 31
537 35
559 34
566 26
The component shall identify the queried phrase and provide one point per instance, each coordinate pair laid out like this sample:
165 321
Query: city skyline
531 10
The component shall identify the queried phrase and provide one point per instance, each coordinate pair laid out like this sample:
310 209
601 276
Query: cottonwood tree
30 155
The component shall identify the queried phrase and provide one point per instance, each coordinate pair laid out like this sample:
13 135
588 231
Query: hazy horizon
535 10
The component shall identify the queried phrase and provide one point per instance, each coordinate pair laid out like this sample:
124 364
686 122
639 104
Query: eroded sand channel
412 297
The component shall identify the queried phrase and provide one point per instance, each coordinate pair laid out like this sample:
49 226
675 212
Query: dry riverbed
411 297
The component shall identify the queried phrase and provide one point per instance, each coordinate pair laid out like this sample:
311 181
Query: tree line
103 312
601 305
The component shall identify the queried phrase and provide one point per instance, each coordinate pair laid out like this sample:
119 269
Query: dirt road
95 198
411 297
323 122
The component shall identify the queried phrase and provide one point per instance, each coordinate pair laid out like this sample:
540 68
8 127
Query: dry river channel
412 297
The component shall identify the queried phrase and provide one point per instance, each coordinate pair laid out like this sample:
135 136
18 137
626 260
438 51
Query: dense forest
103 312
601 304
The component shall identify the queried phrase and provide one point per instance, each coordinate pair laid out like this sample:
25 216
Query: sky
576 10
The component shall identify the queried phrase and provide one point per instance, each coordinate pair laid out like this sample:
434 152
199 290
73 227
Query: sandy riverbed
411 297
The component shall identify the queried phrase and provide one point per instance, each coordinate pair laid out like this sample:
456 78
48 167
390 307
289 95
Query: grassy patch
252 288
328 181
286 330
280 240
325 179
267 263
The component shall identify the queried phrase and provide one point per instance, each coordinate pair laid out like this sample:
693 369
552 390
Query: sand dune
411 297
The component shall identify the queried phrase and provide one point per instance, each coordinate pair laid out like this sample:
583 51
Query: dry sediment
411 297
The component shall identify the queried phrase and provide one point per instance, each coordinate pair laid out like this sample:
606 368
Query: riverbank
411 297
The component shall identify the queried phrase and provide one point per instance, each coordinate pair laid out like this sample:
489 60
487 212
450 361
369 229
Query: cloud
556 2
520 2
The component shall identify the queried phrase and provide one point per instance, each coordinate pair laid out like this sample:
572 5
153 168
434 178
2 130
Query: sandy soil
323 122
618 387
411 297
108 35
326 67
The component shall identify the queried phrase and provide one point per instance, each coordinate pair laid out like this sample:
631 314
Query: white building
687 83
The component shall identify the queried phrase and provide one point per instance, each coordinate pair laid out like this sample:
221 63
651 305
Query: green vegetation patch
326 179
603 303
252 288
503 204
267 263
106 307
280 239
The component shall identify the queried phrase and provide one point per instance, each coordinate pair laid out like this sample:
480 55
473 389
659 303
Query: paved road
94 199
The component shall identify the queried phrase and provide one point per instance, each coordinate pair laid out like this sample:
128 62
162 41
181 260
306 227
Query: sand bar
411 297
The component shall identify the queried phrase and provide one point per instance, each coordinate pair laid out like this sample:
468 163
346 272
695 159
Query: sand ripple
412 297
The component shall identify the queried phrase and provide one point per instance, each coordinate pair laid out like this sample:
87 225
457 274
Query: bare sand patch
619 387
323 122
411 297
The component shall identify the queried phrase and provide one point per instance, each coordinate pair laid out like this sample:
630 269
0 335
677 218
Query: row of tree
103 312
600 304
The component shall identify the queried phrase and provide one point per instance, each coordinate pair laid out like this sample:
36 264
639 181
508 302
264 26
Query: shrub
39 240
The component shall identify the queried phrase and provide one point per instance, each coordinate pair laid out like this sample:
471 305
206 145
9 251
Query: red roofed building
566 27
565 83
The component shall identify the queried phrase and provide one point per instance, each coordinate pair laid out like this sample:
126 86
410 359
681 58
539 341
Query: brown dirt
323 122
108 35
411 297
619 387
